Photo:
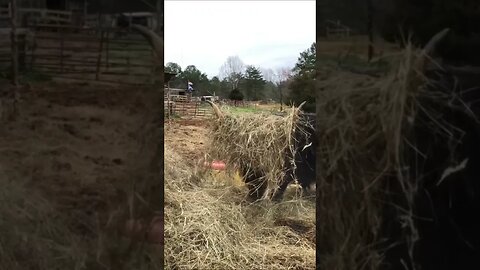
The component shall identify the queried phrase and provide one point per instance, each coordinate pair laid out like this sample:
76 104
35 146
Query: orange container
216 165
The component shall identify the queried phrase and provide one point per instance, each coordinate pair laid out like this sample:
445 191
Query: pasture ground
68 164
210 225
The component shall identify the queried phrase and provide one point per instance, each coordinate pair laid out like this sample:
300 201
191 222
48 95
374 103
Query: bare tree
283 74
268 74
232 69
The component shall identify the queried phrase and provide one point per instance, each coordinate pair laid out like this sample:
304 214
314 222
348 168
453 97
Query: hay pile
33 235
210 227
260 141
364 130
61 206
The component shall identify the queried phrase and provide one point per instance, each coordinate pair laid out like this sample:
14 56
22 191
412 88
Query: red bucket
216 165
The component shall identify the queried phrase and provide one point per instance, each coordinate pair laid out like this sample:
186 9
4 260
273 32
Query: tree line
238 81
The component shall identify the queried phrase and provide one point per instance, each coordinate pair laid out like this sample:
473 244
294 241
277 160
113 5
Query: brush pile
263 142
365 129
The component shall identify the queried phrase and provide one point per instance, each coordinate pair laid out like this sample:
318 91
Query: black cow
305 146
448 176
305 157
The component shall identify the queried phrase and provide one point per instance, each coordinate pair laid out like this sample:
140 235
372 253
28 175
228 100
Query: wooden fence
91 54
82 54
5 13
187 108
33 16
6 48
54 46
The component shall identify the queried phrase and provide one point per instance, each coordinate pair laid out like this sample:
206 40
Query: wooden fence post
62 44
13 41
196 107
107 48
99 58
169 104
152 69
32 56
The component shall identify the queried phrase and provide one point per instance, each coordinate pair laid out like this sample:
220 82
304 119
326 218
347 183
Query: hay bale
364 128
258 143
210 227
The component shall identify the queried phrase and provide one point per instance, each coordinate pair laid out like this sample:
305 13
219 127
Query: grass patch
244 110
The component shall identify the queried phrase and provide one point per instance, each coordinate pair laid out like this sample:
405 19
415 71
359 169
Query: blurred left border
81 134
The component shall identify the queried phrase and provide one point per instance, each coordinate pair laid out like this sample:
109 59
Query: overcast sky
267 34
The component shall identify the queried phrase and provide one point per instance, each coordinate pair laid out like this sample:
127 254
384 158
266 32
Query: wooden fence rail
187 109
38 15
85 55
5 12
102 55
54 46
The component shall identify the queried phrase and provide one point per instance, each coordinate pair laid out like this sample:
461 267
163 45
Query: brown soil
189 139
80 146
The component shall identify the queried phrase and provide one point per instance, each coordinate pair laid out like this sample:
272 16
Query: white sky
266 34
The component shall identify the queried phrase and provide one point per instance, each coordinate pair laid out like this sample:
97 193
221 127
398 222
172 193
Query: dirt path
188 139
77 144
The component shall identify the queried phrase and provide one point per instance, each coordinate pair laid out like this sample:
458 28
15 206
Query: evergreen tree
200 81
176 82
216 87
236 95
302 86
253 83
173 68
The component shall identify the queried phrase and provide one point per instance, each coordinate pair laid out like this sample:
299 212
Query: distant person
190 87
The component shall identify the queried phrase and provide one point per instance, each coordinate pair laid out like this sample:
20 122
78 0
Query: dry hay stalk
210 228
364 133
257 141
